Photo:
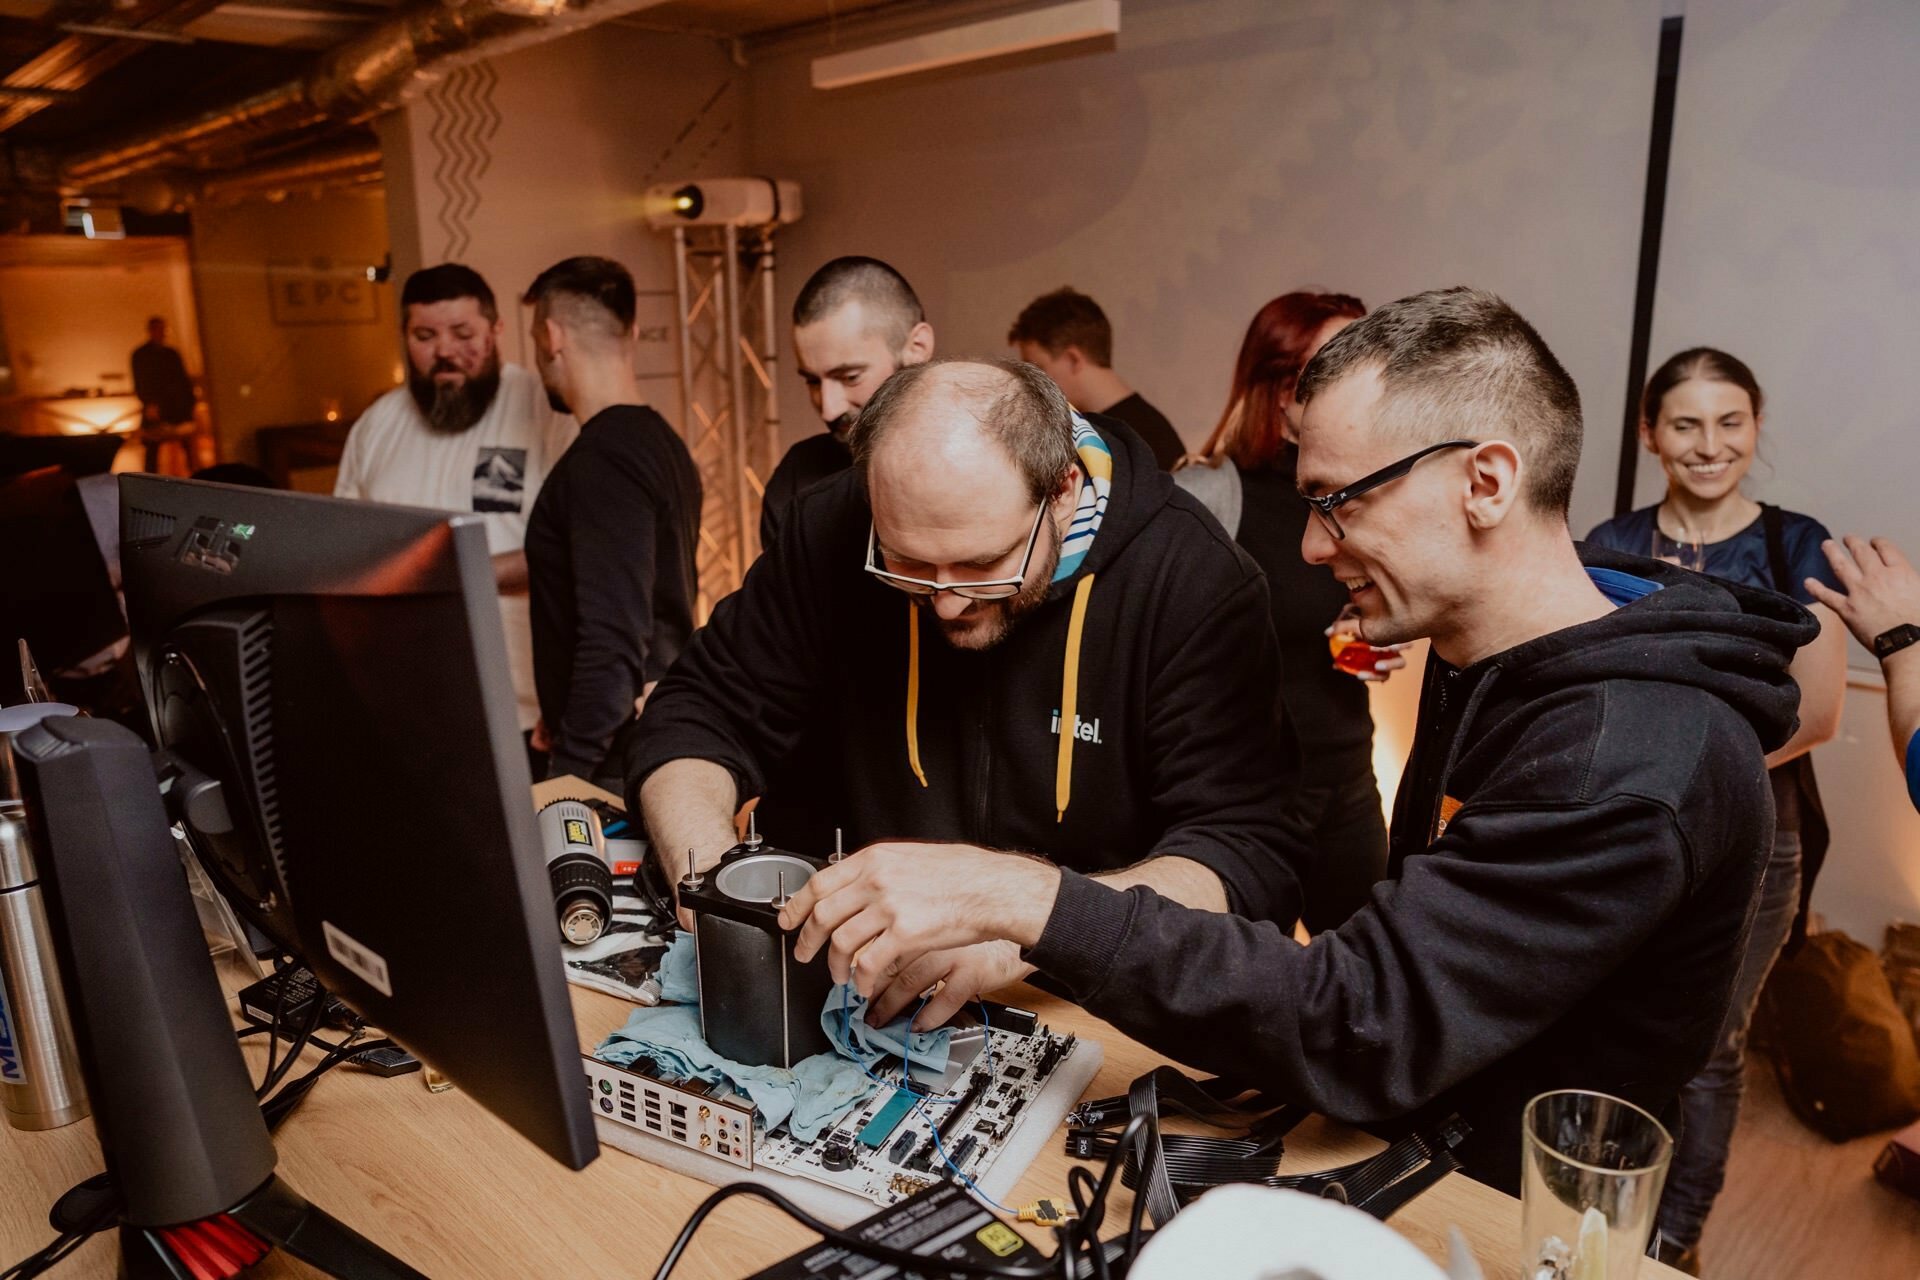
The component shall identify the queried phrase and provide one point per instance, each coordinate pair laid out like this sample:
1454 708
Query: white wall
514 163
1793 240
1225 151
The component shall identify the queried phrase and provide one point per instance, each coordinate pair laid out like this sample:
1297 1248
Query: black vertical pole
1652 215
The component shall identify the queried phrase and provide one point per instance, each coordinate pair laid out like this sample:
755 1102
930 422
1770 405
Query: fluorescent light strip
992 38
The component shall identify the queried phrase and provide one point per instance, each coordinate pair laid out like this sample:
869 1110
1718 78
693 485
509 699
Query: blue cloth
1622 589
679 974
845 1022
812 1096
1741 558
670 1035
1913 770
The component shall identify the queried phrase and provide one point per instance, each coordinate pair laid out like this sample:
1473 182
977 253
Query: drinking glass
1350 653
1592 1168
1687 550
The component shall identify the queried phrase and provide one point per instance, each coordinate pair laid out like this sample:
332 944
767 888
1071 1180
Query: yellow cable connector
1045 1213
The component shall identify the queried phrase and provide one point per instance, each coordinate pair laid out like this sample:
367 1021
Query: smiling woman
1700 416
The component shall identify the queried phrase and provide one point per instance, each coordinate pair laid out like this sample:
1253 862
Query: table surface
455 1193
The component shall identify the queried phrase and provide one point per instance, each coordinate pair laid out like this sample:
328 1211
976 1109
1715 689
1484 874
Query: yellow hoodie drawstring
1069 696
1069 699
913 692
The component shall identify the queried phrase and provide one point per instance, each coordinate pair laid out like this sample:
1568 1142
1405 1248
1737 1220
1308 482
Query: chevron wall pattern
465 122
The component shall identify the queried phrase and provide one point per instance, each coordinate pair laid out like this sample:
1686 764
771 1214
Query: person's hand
540 740
640 703
963 975
1348 623
881 911
1882 589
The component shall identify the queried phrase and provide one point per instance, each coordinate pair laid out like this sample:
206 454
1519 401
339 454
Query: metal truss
730 414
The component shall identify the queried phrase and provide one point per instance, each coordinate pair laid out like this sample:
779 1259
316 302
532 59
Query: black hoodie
1574 866
832 696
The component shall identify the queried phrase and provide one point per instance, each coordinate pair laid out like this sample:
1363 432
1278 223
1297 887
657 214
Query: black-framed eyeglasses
1325 506
989 589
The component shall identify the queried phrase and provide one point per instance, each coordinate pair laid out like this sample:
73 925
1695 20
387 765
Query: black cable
295 1047
1072 1239
852 1243
273 1026
294 1092
36 1264
72 1234
1149 1140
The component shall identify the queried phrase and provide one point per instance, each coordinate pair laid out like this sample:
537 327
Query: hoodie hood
1731 641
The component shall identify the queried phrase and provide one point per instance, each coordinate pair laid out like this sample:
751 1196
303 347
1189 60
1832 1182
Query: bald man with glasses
1008 633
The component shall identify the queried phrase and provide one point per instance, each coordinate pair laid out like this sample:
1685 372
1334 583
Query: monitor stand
278 1216
173 1101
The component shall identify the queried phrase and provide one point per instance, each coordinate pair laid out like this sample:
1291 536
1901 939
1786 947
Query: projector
720 202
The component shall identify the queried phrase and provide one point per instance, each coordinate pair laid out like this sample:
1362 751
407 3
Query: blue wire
906 1060
906 1084
971 1186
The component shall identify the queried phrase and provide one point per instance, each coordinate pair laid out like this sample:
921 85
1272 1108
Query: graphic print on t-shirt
499 479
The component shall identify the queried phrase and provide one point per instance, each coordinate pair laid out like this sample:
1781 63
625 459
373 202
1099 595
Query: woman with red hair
1245 476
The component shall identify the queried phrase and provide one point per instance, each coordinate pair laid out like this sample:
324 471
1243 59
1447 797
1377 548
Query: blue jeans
1710 1102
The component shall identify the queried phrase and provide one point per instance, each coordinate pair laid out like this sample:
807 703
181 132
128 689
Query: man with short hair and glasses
1580 829
1005 630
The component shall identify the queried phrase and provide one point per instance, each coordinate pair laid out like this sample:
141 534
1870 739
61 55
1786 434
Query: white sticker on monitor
361 960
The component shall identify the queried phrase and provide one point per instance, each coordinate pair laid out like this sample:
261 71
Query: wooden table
452 1191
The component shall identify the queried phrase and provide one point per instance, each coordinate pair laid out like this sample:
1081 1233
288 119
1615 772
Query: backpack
1843 1051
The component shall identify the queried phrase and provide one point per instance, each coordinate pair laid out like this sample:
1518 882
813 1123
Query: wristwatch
1894 639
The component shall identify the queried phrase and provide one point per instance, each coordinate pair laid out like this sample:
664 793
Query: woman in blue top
1700 416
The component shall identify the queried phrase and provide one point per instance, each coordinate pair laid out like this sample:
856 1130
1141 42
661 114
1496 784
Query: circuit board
885 1148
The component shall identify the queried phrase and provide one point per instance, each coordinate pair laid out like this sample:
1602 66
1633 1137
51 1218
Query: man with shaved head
856 321
1004 631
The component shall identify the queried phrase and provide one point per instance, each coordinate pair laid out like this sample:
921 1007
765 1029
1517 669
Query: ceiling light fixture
1055 24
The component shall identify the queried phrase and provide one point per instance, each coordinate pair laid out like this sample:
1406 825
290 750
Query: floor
1797 1205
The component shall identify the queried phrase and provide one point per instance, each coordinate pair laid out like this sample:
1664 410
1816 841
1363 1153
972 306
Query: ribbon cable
1183 1166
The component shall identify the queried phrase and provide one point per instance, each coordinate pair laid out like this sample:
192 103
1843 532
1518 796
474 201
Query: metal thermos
758 1005
40 1085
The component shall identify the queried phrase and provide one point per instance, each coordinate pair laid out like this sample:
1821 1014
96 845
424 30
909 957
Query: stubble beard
987 622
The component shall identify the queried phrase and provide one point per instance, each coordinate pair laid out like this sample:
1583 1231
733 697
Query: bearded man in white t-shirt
467 432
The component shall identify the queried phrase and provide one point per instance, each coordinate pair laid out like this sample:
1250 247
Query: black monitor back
330 680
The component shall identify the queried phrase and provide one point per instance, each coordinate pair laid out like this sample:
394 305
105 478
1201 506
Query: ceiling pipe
337 167
365 77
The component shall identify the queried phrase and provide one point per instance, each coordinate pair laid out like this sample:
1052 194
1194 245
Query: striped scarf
1096 461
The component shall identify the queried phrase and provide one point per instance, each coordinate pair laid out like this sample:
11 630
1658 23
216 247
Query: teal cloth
679 975
845 1022
814 1094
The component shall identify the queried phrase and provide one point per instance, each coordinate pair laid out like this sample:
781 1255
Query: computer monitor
329 691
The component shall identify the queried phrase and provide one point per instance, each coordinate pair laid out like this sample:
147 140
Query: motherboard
910 1135
917 1128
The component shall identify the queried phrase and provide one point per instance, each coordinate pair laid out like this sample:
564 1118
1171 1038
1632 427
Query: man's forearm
1189 883
510 573
689 804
